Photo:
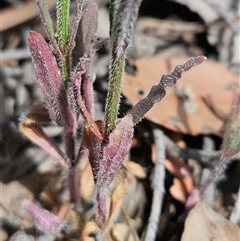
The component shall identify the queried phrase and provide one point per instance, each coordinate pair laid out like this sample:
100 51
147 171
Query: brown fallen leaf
183 183
13 194
136 170
122 232
204 224
90 229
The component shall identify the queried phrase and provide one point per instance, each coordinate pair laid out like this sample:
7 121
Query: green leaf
63 23
231 143
123 14
114 91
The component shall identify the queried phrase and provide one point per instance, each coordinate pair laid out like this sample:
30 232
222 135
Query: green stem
65 70
63 7
114 91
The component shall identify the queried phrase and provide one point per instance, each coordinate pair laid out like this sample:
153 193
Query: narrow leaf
114 91
87 89
115 151
231 142
103 206
74 86
88 118
86 32
109 198
76 99
93 145
44 220
63 7
49 78
123 14
74 25
31 128
47 24
158 91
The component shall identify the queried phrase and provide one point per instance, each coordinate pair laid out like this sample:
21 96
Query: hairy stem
73 185
65 69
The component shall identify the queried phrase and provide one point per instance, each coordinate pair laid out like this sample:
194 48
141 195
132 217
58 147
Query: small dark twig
202 156
214 108
205 157
158 186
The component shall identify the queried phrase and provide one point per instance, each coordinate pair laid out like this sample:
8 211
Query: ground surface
192 119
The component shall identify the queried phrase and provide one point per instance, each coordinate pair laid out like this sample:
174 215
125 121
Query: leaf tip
44 220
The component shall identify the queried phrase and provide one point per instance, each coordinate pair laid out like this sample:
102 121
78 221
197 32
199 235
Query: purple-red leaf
74 87
44 220
49 78
78 105
115 151
109 163
103 203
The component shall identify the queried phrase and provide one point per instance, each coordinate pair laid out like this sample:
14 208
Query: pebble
9 106
37 93
103 23
9 71
28 77
22 97
11 83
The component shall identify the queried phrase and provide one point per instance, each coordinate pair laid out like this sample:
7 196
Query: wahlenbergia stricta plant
63 73
230 147
231 141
